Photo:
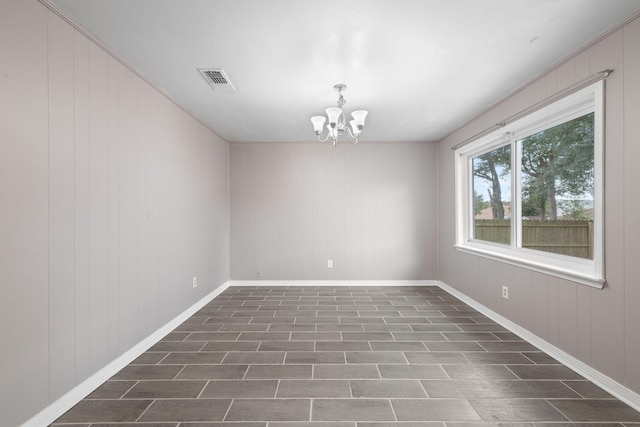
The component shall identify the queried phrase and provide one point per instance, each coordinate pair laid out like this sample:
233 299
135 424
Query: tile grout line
559 411
275 395
206 384
153 401
226 414
393 410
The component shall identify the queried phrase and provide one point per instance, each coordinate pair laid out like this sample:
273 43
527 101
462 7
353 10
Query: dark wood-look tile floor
344 357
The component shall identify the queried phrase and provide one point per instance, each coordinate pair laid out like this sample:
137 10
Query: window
530 193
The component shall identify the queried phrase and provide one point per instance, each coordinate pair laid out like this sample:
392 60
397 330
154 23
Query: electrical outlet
195 281
258 274
505 292
330 263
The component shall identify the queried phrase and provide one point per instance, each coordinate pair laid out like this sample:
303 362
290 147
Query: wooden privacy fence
566 237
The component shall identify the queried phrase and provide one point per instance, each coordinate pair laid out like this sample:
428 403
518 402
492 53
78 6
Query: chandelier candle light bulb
337 125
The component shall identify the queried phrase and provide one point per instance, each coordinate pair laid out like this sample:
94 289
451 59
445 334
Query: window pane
492 196
557 189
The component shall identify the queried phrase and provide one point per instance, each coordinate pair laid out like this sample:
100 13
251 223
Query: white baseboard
334 283
609 385
82 390
70 399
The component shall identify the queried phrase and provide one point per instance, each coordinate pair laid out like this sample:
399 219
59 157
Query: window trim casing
584 271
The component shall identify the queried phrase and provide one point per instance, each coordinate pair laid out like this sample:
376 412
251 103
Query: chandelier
337 125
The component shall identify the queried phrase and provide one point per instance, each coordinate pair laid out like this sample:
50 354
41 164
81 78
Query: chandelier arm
323 140
353 138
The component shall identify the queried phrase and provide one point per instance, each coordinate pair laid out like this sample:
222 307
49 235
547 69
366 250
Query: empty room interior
339 213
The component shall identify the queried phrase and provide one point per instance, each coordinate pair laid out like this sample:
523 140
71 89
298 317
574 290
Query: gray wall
599 327
369 207
112 198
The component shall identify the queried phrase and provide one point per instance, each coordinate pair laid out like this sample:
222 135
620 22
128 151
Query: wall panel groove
113 198
368 208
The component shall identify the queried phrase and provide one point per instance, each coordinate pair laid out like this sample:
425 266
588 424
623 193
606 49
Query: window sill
522 260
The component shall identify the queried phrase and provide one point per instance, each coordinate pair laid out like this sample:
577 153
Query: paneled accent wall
111 200
367 207
599 327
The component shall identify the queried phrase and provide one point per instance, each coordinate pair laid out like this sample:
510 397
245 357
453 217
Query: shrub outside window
531 193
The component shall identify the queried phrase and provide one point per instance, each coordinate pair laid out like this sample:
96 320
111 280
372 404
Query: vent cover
217 79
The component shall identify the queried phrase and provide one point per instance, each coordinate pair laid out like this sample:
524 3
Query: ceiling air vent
217 78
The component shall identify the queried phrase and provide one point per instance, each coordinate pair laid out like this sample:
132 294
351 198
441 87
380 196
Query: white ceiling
422 68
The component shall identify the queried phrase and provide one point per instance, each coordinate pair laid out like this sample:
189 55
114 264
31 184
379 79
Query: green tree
533 204
491 167
479 204
575 209
557 161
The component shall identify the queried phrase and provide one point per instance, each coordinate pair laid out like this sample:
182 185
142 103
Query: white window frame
580 270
